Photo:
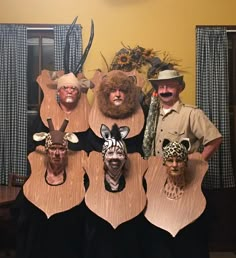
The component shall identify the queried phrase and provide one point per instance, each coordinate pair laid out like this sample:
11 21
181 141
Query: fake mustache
166 94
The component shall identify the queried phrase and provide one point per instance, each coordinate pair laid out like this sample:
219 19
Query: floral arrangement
128 59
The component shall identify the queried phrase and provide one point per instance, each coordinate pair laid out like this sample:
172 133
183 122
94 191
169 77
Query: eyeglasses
54 149
72 88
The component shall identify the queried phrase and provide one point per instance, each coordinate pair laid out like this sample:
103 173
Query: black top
190 242
60 236
103 241
88 140
95 143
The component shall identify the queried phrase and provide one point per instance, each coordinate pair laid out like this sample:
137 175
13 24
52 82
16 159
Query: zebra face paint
114 159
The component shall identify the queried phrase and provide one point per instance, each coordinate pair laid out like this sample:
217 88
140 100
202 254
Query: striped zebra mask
114 138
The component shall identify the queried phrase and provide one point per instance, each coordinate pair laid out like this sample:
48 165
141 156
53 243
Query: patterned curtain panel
13 101
76 46
213 97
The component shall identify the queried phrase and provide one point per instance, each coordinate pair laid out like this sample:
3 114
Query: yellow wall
163 25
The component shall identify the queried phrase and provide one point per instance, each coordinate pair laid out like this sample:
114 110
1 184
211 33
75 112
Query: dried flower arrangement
128 59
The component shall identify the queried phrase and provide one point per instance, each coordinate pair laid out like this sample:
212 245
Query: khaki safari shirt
184 121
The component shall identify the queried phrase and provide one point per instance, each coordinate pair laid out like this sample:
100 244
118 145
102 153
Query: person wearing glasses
68 92
49 209
64 98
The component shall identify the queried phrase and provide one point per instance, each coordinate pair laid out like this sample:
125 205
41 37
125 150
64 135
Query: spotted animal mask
176 149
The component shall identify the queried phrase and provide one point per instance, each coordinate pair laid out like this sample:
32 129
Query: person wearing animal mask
64 93
118 95
115 198
175 203
49 209
117 102
68 92
68 103
176 120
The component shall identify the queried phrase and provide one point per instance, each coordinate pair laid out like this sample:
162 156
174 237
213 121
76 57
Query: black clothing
103 241
95 143
190 242
59 236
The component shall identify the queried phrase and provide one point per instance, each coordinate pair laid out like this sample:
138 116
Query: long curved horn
67 46
83 58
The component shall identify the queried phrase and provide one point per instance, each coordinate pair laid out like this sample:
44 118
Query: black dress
190 242
60 236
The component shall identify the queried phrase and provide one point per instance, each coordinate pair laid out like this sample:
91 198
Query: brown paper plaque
134 122
78 118
118 207
173 215
55 199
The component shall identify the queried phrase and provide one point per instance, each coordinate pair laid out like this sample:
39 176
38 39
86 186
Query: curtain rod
230 31
38 28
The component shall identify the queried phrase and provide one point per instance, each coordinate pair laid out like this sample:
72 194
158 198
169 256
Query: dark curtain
13 101
76 46
212 88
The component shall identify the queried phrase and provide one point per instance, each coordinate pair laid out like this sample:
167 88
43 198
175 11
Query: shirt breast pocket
174 135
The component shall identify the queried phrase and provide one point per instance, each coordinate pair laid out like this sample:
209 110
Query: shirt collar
176 107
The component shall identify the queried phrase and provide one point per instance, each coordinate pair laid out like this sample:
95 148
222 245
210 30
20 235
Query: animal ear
105 132
40 136
133 78
71 137
165 142
124 130
186 143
